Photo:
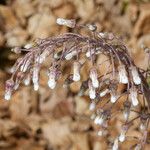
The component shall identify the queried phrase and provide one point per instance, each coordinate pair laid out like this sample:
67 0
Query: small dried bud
94 77
83 88
133 96
103 93
113 96
102 132
52 78
58 55
123 78
99 120
92 105
135 75
8 89
138 147
43 56
69 23
25 65
116 144
27 79
92 27
19 78
68 81
93 51
35 77
127 106
29 45
123 133
105 35
92 91
102 117
70 55
76 71
16 50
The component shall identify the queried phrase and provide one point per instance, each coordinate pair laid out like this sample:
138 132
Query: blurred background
59 120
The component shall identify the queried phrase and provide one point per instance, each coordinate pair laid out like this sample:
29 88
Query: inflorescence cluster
101 88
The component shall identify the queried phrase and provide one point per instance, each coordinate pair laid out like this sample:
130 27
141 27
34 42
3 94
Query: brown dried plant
103 89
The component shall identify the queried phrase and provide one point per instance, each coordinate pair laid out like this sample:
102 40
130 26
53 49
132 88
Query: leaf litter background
60 120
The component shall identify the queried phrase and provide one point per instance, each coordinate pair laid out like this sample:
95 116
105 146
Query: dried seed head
92 91
8 89
76 71
133 96
116 144
123 78
135 75
69 23
94 77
